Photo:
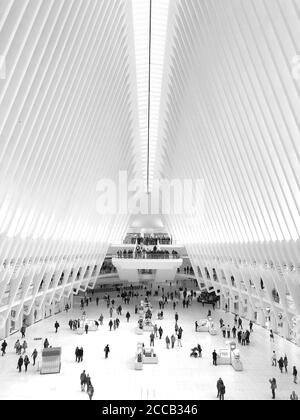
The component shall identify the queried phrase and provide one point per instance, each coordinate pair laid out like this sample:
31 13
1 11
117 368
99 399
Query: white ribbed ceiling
225 108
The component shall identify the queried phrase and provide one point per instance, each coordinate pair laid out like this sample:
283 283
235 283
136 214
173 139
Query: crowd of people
171 338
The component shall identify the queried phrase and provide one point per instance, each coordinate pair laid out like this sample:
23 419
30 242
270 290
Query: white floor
177 376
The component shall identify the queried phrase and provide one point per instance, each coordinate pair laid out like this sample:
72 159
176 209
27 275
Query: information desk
203 325
223 357
51 360
149 357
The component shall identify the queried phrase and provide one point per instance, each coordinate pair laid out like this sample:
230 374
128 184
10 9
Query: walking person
101 319
273 387
271 336
106 351
179 336
274 359
77 354
128 316
280 364
295 373
80 354
23 330
285 363
110 324
83 381
155 330
3 347
56 326
46 343
167 342
90 391
152 340
24 346
97 301
294 396
160 331
34 356
26 362
173 339
20 363
176 317
86 327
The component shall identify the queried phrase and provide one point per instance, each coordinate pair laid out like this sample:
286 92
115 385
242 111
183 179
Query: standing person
271 336
111 311
167 342
46 343
86 327
56 326
97 301
110 324
151 339
222 391
219 384
228 331
173 339
26 362
224 331
214 356
3 347
234 331
251 326
155 329
90 391
295 373
106 351
273 387
88 381
196 325
20 363
101 319
83 381
176 317
80 354
34 356
285 363
128 316
160 331
179 336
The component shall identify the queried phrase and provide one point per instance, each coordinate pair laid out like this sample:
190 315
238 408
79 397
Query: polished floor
177 376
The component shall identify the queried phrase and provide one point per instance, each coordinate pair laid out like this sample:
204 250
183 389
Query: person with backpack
273 387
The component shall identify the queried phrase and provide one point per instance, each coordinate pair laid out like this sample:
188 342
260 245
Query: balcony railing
148 256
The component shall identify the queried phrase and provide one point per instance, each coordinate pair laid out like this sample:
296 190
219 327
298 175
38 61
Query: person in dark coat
46 343
77 354
26 362
86 327
214 355
110 324
56 326
106 351
280 364
80 354
3 347
83 381
160 332
20 363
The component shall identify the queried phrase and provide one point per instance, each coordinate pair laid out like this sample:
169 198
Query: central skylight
149 75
